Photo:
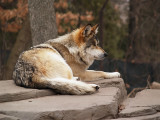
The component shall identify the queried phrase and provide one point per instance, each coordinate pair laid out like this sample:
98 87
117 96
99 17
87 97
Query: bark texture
42 20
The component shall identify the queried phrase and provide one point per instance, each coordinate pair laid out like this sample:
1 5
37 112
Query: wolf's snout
101 56
105 54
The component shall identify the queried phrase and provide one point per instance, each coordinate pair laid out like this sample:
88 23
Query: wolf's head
87 40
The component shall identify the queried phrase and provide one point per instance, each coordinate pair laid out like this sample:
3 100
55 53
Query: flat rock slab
146 117
146 102
114 82
7 117
103 104
10 92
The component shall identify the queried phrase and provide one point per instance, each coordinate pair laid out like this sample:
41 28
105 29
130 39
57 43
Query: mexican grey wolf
54 63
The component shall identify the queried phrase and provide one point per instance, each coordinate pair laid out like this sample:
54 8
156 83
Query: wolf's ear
95 28
87 30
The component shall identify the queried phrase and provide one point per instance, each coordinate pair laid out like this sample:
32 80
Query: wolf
59 63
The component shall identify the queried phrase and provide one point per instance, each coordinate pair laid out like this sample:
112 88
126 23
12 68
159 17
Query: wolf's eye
94 40
95 43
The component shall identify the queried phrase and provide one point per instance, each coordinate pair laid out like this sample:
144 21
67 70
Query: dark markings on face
93 41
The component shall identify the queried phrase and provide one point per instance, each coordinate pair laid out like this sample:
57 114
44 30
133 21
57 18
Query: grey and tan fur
54 63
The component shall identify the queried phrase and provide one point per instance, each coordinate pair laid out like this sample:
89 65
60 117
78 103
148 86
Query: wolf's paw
77 78
116 74
96 87
113 75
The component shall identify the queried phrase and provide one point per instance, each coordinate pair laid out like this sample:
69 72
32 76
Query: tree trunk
144 31
39 27
22 43
42 20
101 24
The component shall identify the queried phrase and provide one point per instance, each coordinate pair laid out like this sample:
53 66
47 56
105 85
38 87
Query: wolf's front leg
112 75
96 75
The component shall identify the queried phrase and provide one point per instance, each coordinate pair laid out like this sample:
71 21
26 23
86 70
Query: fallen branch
135 90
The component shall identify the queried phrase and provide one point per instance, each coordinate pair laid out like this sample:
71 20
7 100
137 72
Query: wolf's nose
105 54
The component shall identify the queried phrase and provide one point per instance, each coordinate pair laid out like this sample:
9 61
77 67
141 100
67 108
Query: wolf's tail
65 86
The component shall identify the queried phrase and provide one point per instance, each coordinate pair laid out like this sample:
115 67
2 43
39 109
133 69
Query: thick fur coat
59 63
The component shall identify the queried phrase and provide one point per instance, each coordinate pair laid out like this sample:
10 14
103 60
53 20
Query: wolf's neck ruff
81 59
66 54
68 44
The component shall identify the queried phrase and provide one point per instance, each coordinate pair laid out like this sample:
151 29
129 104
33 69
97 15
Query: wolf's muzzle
102 56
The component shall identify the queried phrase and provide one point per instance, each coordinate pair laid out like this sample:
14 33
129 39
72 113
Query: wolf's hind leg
66 86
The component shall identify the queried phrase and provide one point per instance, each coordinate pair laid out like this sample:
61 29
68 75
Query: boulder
34 104
146 117
146 102
10 92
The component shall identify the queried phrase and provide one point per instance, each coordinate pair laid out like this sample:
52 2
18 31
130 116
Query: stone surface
10 92
147 97
103 104
146 102
155 85
137 111
6 117
146 117
33 104
115 82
